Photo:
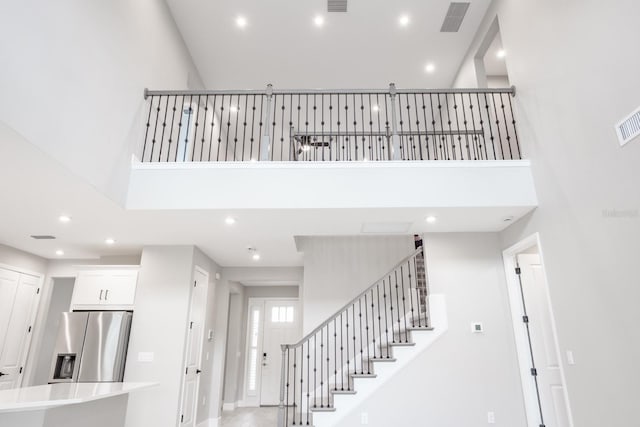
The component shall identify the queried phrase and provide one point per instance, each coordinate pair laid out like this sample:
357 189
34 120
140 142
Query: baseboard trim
229 406
210 422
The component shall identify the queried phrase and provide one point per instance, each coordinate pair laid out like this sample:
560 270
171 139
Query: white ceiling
363 48
36 190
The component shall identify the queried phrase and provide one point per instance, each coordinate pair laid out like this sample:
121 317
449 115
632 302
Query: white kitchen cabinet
103 288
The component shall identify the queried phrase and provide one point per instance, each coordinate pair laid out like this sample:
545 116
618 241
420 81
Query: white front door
19 297
193 350
281 326
544 350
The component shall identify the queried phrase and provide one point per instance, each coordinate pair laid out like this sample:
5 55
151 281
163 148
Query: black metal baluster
331 137
146 132
301 379
294 394
411 143
476 141
379 143
211 130
442 145
335 355
226 148
164 126
361 342
328 364
493 143
173 114
386 325
457 130
466 129
484 139
341 355
417 287
506 127
513 124
366 322
413 322
373 322
322 125
397 305
253 124
451 138
283 109
403 149
315 368
286 405
195 131
426 126
497 122
379 320
260 124
348 360
155 130
308 384
404 304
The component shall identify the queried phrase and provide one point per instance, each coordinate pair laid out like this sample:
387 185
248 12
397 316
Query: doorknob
198 371
2 374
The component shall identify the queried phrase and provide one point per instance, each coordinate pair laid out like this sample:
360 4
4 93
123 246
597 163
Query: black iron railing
324 125
347 344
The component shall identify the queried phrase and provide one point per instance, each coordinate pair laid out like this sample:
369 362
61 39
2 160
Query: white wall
462 376
73 77
336 269
16 258
159 326
558 53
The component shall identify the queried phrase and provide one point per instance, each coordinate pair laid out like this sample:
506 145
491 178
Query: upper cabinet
105 288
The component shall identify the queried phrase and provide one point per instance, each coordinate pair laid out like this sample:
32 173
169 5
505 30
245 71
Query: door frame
28 352
254 401
186 348
522 345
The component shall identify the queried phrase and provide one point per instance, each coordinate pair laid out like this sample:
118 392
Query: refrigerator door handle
101 291
106 294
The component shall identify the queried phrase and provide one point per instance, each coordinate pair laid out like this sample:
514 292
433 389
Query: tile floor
250 417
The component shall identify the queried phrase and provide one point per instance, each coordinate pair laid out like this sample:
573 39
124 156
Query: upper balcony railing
330 125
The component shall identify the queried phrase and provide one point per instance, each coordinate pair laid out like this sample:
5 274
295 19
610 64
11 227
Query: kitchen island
67 404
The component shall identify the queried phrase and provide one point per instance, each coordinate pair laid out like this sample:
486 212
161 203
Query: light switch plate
570 359
491 417
210 335
364 418
146 356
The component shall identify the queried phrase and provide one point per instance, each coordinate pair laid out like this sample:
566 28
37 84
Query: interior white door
193 350
17 314
543 341
281 326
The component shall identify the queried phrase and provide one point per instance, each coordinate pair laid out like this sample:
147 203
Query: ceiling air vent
336 5
629 128
454 17
42 237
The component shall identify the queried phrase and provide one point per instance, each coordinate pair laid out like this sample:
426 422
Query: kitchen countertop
53 395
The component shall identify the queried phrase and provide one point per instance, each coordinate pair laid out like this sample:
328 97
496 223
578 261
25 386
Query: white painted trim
399 164
229 406
522 345
209 422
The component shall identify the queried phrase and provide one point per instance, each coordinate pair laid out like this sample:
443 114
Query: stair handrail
354 299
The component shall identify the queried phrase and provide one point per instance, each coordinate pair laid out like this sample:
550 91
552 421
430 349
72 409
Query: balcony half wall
498 184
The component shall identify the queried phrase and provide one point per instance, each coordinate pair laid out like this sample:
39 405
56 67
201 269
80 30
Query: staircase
336 366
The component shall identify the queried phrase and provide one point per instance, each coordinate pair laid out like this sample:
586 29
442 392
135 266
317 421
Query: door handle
101 291
2 374
106 294
198 371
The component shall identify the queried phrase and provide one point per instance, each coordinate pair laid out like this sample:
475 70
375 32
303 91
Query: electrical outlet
364 418
491 417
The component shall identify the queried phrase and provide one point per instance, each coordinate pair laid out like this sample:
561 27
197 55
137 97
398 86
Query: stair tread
322 409
363 375
382 359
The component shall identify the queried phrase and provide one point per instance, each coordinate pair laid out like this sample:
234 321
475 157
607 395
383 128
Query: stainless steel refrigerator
91 347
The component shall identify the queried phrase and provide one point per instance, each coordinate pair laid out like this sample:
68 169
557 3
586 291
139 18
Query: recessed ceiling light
64 218
431 219
404 20
241 21
430 68
501 53
59 252
229 220
256 256
318 21
375 108
110 241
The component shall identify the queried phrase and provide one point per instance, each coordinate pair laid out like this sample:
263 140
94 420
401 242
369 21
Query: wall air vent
336 5
629 127
42 237
454 17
